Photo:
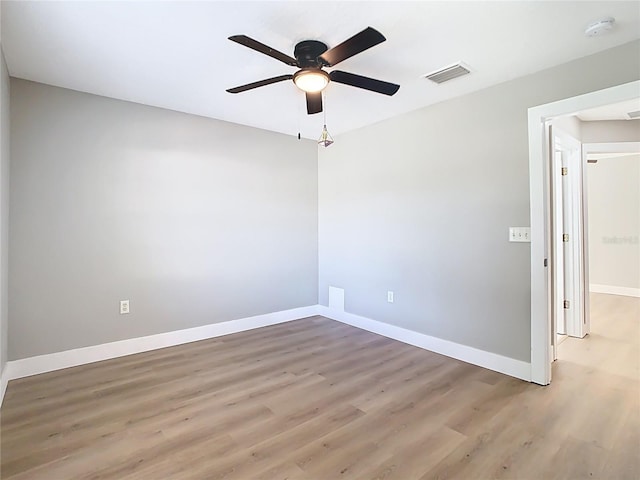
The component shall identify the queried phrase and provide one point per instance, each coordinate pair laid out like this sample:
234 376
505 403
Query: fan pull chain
299 137
324 108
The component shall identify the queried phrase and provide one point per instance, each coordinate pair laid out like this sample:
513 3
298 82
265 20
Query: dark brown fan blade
262 48
314 103
360 42
364 82
261 83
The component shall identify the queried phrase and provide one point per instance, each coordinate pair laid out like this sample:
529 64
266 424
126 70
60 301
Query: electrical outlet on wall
124 307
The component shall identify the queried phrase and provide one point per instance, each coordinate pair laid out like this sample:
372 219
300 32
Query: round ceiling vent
601 27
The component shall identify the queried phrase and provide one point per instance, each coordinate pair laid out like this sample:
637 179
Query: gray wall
421 204
610 131
4 208
613 191
603 131
614 221
570 125
194 220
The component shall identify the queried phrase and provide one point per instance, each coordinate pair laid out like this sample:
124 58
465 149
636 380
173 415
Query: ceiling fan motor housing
307 53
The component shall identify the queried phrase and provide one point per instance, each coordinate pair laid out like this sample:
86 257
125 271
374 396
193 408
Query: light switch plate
520 234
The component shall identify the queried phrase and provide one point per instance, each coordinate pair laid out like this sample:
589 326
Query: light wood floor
315 399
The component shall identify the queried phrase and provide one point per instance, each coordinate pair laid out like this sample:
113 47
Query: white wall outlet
390 296
124 307
520 234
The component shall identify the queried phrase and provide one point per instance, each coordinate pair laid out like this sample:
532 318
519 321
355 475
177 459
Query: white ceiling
176 55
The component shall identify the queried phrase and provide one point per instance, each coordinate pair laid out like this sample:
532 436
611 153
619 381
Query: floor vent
449 73
635 114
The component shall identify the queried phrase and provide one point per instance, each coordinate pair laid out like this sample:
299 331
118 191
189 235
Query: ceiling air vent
448 73
635 114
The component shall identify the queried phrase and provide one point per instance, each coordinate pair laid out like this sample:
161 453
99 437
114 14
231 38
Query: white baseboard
613 290
4 380
492 361
80 356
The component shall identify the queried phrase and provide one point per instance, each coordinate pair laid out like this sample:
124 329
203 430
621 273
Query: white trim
482 358
4 380
540 318
80 356
613 290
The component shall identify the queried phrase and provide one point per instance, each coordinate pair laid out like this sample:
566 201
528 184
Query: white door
566 236
558 247
571 239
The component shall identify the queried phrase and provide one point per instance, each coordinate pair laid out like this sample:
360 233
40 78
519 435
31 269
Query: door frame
541 328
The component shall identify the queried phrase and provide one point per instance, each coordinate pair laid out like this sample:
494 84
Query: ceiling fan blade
261 83
262 48
364 82
360 42
314 103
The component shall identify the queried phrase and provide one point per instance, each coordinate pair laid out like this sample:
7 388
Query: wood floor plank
413 459
314 399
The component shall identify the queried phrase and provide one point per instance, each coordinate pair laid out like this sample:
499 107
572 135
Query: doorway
612 178
543 338
611 216
612 184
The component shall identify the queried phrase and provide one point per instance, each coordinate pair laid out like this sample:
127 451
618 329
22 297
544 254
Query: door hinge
565 171
565 237
566 304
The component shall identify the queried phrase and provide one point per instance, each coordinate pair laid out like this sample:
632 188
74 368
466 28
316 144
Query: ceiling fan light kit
311 56
325 139
311 80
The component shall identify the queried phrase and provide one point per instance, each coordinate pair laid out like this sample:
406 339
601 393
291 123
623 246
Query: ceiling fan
310 57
